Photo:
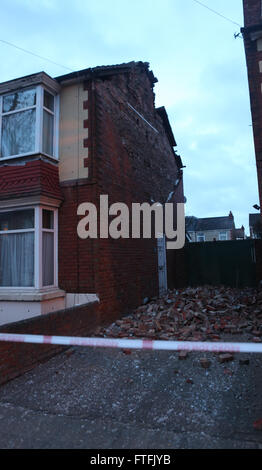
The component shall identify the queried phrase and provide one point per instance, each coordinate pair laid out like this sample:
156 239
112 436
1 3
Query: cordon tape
134 343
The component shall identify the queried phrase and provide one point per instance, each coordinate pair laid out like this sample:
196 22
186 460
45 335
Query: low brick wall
17 358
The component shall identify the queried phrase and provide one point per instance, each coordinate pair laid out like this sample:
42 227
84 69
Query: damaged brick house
66 141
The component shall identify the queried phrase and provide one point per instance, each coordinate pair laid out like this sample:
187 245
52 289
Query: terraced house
65 141
211 229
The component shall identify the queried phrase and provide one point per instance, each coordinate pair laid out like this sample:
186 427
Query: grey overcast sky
200 66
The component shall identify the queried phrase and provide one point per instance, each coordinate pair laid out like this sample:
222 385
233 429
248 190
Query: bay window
28 248
28 123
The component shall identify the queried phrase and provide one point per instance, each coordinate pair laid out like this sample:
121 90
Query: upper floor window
28 123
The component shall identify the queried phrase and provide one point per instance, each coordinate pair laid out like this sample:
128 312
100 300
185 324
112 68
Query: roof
30 80
108 70
193 224
85 74
254 219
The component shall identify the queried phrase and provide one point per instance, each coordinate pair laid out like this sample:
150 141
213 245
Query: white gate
162 272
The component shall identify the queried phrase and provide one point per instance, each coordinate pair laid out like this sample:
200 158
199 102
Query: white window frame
202 236
40 108
38 247
221 236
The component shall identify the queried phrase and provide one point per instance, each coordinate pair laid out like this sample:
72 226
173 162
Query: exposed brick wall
252 12
133 163
17 358
130 162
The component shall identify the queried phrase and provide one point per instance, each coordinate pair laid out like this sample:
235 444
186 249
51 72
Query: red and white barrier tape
134 343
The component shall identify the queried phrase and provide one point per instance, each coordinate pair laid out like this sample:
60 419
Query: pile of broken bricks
195 314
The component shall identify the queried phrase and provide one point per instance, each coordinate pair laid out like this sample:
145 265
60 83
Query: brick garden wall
17 358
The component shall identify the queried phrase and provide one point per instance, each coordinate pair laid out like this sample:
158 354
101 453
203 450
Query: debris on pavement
183 355
127 351
205 363
189 381
225 358
194 314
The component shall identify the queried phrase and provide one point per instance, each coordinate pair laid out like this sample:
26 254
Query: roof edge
107 70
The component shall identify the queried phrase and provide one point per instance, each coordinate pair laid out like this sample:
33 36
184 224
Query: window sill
31 295
25 156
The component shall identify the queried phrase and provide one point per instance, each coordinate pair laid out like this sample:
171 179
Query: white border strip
134 343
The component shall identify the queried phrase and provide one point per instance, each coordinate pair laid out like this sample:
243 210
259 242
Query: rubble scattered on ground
205 363
183 355
194 314
225 358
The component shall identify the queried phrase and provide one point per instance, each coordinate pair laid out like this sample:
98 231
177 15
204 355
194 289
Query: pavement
92 398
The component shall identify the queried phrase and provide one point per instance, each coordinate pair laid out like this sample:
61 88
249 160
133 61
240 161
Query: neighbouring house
212 229
255 226
240 233
67 141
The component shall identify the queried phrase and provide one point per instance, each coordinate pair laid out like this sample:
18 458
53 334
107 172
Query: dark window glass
48 219
17 220
48 101
48 258
48 133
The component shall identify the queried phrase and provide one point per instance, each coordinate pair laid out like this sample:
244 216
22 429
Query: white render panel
12 311
72 133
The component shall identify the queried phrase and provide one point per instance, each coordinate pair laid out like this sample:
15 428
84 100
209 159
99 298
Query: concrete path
106 399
